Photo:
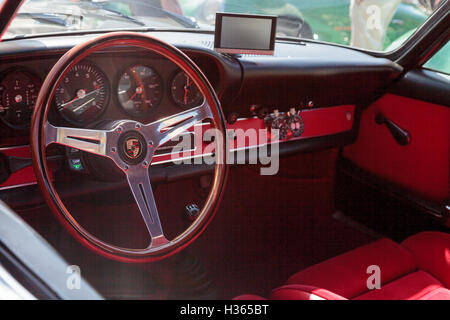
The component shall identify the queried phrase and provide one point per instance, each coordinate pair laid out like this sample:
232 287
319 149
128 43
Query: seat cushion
249 297
346 275
431 251
302 292
438 294
419 269
413 286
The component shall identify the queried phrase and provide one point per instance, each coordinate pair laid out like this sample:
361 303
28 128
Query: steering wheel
111 141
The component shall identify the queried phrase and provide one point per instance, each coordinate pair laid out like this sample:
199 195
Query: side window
440 61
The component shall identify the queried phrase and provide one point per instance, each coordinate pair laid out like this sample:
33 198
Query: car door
397 171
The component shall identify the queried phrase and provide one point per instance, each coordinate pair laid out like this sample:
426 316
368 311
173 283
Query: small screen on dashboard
238 33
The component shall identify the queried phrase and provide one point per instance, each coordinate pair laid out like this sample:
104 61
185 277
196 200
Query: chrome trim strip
18 185
14 147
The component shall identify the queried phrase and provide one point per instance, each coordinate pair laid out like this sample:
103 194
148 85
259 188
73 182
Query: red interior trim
318 122
421 166
22 177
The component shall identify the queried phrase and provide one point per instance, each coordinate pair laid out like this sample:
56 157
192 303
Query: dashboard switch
253 108
76 164
232 117
75 160
263 112
192 211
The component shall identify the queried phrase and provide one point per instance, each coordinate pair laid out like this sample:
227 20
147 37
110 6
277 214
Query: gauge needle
138 90
185 95
65 105
81 106
186 90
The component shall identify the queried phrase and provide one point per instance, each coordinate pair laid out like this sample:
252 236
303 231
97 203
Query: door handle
401 136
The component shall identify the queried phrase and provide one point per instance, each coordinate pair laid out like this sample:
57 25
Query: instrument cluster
86 91
19 89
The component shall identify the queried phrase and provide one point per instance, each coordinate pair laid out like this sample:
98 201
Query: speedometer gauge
139 90
82 95
18 94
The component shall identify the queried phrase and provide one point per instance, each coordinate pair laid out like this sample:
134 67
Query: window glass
377 25
440 61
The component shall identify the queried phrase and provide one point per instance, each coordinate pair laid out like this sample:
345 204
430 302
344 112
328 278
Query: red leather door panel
421 166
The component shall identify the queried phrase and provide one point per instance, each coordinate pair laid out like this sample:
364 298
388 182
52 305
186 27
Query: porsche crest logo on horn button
133 148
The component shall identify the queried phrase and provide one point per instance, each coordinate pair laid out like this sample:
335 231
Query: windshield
378 25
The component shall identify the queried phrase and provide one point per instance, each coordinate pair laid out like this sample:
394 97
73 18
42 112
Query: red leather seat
419 268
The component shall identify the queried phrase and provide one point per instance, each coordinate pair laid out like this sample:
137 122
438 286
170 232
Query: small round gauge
279 123
82 94
18 94
296 124
184 91
139 90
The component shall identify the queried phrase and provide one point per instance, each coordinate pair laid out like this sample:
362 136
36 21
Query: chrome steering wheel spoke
89 140
165 129
139 182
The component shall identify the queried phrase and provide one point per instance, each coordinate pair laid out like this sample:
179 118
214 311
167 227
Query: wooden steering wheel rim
38 145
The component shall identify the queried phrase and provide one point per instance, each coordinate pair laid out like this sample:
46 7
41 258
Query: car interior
91 168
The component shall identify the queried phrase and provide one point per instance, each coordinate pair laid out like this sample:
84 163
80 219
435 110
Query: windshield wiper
184 21
57 18
88 8
51 18
116 13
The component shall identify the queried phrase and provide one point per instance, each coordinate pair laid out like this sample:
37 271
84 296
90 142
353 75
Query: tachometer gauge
139 90
82 95
18 93
184 91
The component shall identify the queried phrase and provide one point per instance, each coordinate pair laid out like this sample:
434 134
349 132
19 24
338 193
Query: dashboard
311 91
107 86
